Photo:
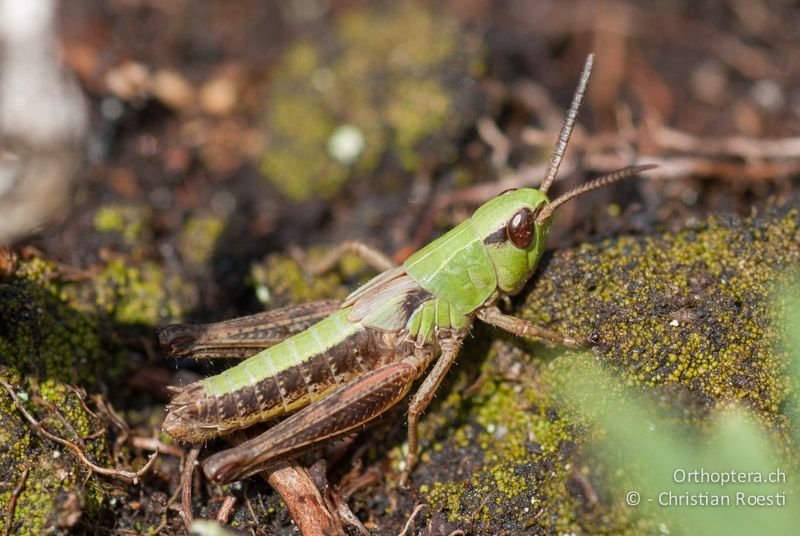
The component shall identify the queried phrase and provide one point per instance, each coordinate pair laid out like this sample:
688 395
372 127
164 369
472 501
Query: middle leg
370 255
450 347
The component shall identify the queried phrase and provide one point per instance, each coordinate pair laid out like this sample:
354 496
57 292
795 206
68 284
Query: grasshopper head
514 225
513 234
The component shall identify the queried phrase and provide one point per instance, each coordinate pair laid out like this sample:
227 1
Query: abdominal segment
278 380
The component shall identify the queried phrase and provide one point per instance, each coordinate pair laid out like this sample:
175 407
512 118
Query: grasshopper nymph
342 365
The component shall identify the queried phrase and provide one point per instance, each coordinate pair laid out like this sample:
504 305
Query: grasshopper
333 367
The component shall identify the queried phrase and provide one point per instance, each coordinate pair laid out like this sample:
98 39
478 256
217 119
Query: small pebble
172 89
218 96
128 81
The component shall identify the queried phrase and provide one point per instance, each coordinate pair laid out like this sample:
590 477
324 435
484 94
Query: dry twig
186 485
302 498
410 520
225 510
154 445
12 501
111 415
130 476
731 146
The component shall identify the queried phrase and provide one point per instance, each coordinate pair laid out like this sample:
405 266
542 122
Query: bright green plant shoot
343 364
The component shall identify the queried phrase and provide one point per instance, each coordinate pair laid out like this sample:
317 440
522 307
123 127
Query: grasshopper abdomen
278 380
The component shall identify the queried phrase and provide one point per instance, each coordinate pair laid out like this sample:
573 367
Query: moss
42 332
198 238
685 317
128 222
394 92
280 280
690 308
47 341
55 333
54 495
515 445
140 293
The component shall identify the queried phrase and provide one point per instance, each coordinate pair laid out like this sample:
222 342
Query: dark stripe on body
497 237
194 416
414 299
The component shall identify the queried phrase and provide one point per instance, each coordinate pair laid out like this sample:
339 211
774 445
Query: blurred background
250 126
159 154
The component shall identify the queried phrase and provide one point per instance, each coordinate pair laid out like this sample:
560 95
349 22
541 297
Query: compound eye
520 228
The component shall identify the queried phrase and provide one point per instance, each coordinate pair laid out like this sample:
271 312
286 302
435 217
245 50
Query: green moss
56 333
280 281
690 308
391 91
685 317
50 341
198 238
129 222
140 293
54 496
43 332
510 431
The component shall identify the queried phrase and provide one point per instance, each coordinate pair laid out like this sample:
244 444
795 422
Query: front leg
492 315
450 347
337 414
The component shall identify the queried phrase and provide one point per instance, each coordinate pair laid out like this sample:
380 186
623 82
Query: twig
679 167
64 422
336 499
731 146
491 134
697 156
247 503
130 476
410 520
12 501
302 498
153 444
186 485
347 515
351 484
94 435
106 408
590 497
225 510
81 397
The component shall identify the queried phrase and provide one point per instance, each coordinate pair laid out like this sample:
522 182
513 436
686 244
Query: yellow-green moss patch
684 316
386 83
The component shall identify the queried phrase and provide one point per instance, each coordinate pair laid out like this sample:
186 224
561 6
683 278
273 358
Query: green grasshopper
334 367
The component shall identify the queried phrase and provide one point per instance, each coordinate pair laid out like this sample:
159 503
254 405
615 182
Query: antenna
600 182
566 128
